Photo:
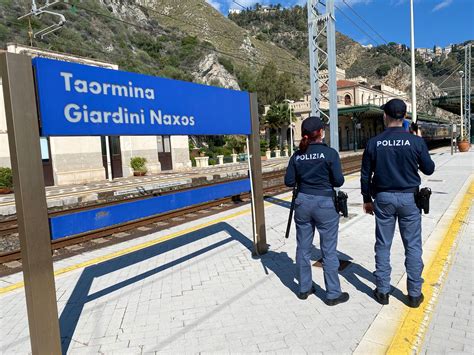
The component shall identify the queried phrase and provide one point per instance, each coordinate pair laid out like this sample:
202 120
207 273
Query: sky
437 22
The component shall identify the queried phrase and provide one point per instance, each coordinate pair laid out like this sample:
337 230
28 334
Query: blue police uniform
317 171
389 172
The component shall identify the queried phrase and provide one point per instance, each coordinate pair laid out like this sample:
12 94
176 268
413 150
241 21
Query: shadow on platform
80 295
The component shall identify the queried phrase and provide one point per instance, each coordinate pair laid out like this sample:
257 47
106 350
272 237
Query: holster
340 201
422 199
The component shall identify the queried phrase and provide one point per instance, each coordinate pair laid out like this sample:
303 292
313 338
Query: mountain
190 40
388 64
161 37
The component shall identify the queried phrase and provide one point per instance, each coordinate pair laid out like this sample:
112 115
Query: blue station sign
82 100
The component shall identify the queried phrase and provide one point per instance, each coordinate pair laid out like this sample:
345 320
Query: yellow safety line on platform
141 246
413 325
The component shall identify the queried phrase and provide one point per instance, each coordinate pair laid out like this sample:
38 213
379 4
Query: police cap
395 108
311 124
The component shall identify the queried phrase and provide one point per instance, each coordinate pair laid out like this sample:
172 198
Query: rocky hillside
190 40
177 39
387 63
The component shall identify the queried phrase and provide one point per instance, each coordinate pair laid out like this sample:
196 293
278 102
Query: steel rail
350 165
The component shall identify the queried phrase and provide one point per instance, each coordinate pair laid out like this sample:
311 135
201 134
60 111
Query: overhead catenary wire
379 35
199 44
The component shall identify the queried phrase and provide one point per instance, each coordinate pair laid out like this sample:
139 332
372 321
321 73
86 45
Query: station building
360 116
73 160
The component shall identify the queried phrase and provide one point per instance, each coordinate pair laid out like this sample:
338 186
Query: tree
236 143
383 69
288 88
278 116
267 85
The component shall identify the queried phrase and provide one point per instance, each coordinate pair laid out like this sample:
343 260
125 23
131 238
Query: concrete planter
202 162
268 154
220 159
234 158
139 173
277 153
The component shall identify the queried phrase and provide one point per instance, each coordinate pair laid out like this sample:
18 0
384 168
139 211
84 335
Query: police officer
316 169
390 173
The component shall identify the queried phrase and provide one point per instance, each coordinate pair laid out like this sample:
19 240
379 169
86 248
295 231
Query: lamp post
290 102
461 76
413 77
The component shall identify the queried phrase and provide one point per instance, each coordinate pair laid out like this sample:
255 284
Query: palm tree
278 116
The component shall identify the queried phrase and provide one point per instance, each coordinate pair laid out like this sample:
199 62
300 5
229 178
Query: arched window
347 100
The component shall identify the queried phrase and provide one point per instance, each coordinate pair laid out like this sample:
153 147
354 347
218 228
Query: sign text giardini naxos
75 113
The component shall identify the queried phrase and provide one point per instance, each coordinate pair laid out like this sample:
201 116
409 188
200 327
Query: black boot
305 295
380 297
344 297
414 302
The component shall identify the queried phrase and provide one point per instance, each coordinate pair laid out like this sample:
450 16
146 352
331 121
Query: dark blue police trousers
390 206
317 211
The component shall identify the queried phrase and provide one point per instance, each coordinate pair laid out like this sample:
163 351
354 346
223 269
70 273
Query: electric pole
323 28
413 76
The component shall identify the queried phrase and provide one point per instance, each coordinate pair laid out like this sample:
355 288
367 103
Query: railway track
273 184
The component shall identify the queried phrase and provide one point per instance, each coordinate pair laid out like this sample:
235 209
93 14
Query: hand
369 208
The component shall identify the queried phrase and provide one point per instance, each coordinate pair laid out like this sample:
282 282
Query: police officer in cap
389 173
316 169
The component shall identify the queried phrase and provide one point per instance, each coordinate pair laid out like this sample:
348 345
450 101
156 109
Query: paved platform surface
452 328
196 288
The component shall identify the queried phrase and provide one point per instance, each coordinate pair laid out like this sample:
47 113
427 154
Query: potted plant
202 152
138 166
463 143
6 180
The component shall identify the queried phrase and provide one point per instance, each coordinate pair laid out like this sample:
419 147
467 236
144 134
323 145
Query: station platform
59 197
196 287
74 195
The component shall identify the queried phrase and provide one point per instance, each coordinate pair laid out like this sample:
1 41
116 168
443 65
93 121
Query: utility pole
461 76
323 28
467 91
289 103
413 76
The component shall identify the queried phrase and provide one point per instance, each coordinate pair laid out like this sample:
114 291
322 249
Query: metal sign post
258 209
32 212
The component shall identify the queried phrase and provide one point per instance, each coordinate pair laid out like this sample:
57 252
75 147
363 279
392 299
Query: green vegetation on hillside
93 31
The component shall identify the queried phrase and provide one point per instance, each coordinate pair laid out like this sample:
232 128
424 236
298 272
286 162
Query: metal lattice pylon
322 30
467 91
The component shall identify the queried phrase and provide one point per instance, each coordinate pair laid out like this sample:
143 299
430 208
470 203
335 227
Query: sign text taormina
76 99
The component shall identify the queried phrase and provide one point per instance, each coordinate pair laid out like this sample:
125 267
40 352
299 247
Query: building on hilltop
72 160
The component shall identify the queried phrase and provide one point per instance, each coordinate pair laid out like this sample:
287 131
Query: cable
454 71
379 35
359 16
198 44
218 33
246 60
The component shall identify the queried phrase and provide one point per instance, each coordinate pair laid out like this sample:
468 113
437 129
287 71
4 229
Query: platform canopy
374 111
451 103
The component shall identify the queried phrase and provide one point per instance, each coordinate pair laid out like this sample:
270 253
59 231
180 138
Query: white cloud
215 4
442 5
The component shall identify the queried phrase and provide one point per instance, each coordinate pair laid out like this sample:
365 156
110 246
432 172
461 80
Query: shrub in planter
6 179
138 164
